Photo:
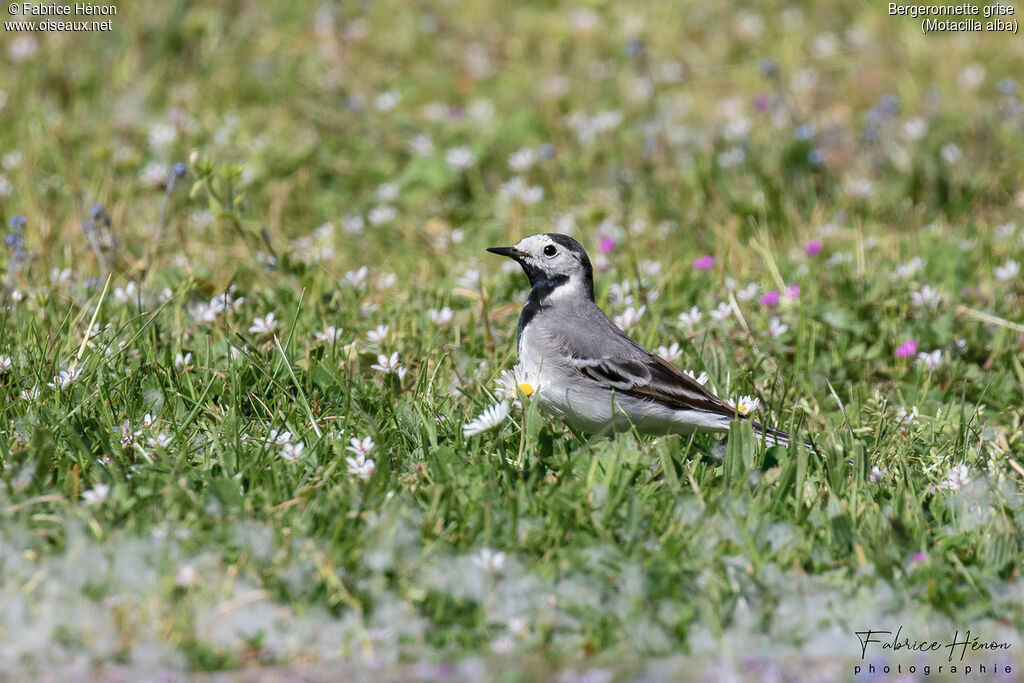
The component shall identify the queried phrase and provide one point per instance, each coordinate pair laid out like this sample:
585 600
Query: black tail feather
777 437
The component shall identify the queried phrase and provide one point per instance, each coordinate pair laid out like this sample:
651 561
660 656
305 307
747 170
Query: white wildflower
746 405
490 560
361 466
521 160
460 158
956 478
353 225
183 363
630 317
441 316
329 335
487 420
701 379
65 378
384 213
361 447
263 326
721 312
749 292
510 382
389 364
161 440
926 297
292 451
1007 271
906 270
690 320
377 334
670 353
357 278
776 328
930 361
97 494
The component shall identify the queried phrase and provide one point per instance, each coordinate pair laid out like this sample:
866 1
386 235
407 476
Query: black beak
511 252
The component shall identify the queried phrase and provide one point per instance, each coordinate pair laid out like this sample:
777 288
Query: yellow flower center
742 409
527 389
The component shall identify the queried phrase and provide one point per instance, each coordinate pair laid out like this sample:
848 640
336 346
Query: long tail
777 437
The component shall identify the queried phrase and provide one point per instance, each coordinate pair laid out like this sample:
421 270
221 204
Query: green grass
527 551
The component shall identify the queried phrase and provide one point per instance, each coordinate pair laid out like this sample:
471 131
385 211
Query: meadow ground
250 338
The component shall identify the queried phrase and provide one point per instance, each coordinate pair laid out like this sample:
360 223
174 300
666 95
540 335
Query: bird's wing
609 357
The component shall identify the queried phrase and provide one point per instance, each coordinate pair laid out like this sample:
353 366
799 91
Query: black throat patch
541 289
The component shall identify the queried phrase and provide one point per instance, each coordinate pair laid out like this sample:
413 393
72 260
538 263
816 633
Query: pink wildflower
704 263
607 244
907 350
813 248
770 298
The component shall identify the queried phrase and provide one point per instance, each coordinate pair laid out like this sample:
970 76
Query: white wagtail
594 376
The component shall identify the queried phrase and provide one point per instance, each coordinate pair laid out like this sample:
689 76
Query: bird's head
553 261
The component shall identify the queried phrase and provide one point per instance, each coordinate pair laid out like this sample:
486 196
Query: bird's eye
550 250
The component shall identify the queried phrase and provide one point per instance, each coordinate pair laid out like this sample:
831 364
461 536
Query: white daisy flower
701 379
746 405
5 364
489 419
510 382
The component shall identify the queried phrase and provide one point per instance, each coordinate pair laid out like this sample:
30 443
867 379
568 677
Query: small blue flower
767 66
1007 86
180 169
889 105
546 150
97 211
19 222
804 132
816 157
